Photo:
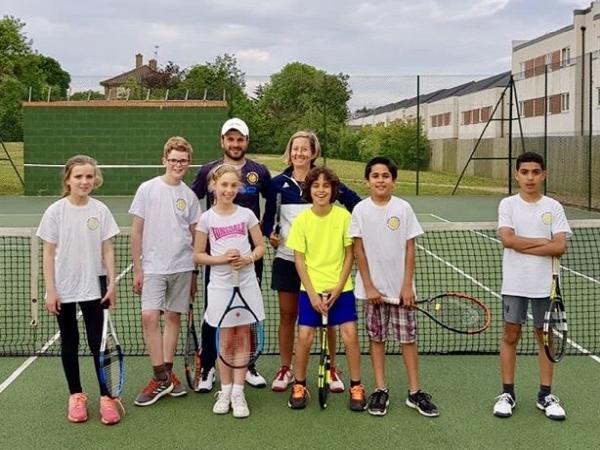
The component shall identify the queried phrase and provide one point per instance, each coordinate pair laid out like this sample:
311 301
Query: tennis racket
324 360
191 351
112 367
555 319
240 335
277 226
455 311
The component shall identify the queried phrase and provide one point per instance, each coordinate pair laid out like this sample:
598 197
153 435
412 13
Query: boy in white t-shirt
165 212
384 228
533 229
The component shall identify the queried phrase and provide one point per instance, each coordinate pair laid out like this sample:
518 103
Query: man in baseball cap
235 124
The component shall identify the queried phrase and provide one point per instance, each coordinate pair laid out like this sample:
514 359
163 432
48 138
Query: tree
221 79
13 43
163 78
302 96
21 70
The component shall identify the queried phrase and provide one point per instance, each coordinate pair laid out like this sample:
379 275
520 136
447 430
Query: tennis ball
438 306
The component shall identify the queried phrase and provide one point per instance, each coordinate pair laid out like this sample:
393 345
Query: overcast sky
397 39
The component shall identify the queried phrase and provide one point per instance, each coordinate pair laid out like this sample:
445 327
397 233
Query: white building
561 57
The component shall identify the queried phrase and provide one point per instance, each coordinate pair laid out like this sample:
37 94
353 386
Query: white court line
571 342
29 361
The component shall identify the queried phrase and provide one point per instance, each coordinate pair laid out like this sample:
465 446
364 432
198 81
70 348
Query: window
564 101
565 56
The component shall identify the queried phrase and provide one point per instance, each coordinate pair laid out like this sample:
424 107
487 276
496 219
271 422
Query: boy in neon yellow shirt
320 238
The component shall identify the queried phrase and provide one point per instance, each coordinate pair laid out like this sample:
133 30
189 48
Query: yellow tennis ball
438 306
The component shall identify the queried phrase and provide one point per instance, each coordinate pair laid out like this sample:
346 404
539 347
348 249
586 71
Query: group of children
171 237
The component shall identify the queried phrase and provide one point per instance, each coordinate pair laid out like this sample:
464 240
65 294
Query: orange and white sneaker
336 385
78 407
109 413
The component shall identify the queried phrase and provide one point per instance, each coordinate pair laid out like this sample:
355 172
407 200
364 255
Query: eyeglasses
174 162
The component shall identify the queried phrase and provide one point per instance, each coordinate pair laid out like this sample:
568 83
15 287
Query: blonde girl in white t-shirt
77 232
228 228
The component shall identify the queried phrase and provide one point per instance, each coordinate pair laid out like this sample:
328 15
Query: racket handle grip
235 276
325 298
391 300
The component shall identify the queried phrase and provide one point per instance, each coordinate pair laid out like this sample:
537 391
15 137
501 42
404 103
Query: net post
34 277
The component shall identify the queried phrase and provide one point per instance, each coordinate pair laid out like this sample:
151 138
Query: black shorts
284 276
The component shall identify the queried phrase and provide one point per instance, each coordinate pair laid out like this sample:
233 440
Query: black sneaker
421 401
378 402
299 397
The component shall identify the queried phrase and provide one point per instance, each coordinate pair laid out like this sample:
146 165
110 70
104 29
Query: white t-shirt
78 233
529 275
168 212
384 231
225 233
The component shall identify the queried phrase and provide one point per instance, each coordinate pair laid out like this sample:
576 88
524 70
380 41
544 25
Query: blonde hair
219 171
315 146
177 143
80 160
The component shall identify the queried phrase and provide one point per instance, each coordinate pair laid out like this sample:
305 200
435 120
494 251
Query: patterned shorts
379 317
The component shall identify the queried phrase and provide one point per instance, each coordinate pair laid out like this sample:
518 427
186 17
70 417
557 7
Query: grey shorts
515 309
167 292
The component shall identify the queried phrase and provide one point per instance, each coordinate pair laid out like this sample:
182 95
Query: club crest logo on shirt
252 177
547 218
93 223
393 223
180 204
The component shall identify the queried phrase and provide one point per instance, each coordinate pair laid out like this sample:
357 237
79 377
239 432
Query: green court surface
463 386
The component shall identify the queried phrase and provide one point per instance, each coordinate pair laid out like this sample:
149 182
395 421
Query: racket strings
459 313
111 368
557 330
240 346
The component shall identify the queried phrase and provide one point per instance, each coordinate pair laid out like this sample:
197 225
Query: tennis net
463 257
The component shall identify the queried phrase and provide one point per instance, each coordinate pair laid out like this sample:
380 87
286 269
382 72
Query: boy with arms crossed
533 229
384 228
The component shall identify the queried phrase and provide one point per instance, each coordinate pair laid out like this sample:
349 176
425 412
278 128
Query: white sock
238 389
226 388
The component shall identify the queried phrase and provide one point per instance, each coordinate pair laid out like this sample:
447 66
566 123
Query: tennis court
461 372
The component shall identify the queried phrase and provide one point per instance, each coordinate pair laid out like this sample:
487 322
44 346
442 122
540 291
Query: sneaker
222 403
239 406
178 388
550 404
255 379
421 401
504 406
336 385
378 402
109 413
207 378
78 408
283 378
357 398
299 397
153 391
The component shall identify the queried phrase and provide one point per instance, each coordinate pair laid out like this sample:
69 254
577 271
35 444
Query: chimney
152 64
139 60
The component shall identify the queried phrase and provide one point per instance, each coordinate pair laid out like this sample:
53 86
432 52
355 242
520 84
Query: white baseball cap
235 124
